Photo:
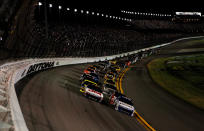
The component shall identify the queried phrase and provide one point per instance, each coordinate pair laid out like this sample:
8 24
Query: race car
96 67
92 67
112 62
95 76
88 77
91 76
109 89
102 66
116 68
93 92
89 70
124 104
110 75
113 97
88 82
109 81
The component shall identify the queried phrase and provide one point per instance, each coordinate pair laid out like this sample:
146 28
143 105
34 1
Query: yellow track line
137 116
143 121
123 73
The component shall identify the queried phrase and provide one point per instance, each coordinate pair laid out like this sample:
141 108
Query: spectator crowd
90 40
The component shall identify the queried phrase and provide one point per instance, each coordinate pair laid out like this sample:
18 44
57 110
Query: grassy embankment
182 76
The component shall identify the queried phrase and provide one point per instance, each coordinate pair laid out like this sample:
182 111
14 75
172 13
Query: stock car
109 81
96 67
102 66
124 104
112 62
87 82
93 92
116 68
88 77
95 76
91 76
109 75
109 89
89 70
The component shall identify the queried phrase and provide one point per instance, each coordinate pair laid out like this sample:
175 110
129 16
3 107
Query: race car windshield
126 100
95 88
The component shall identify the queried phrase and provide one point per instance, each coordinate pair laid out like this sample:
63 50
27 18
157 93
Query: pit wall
11 73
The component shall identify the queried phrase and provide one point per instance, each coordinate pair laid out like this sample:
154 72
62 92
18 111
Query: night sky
114 6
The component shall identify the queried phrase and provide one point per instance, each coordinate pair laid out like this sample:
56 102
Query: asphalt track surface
160 109
51 101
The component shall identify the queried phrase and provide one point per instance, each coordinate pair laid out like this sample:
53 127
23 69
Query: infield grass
183 76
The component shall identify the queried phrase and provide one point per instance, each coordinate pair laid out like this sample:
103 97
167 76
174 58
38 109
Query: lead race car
122 103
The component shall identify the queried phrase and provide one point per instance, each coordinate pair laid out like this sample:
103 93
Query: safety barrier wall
11 73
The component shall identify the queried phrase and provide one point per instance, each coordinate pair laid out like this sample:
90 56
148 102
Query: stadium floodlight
50 5
75 10
82 11
68 9
92 13
39 3
87 12
97 14
60 7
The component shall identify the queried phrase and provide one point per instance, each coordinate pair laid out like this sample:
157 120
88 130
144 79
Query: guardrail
11 117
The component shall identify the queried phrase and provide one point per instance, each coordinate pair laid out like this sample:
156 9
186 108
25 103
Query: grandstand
85 32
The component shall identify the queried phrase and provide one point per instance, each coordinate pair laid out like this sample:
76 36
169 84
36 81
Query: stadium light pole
39 4
46 23
50 9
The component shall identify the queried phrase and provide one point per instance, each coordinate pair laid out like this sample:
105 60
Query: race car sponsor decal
94 91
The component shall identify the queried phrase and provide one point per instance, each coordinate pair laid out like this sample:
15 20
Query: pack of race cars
98 82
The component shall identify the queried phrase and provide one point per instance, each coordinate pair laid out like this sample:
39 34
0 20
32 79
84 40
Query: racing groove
51 101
